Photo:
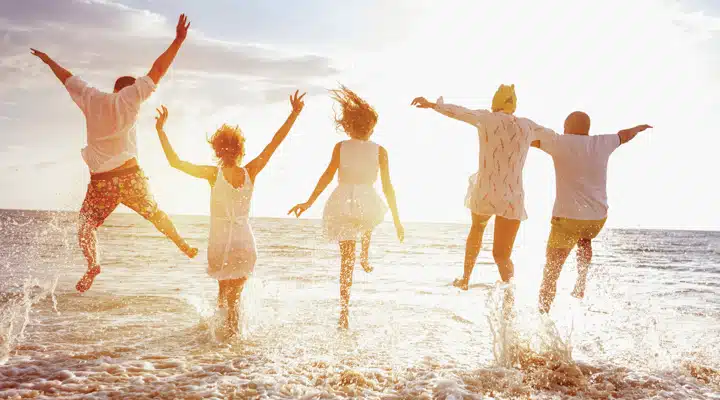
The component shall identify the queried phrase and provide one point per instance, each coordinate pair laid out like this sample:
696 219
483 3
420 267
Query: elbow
174 162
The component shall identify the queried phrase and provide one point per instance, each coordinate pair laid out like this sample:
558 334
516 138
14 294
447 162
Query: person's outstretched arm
324 181
61 73
627 135
256 165
389 191
198 171
472 117
161 65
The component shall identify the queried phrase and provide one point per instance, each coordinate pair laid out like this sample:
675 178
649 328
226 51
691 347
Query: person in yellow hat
497 188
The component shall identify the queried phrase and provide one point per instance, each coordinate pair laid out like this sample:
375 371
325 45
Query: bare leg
505 233
584 257
555 260
503 241
163 223
234 288
222 299
472 248
87 237
347 264
365 252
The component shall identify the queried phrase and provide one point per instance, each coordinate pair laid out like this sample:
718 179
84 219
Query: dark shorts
109 189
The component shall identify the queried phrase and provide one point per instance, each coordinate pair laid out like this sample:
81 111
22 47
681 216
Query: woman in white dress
354 208
231 246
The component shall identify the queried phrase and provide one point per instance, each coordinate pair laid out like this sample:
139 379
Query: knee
348 259
551 274
85 227
477 228
501 256
157 217
584 248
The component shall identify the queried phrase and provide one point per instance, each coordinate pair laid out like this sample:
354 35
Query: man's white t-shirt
580 174
111 120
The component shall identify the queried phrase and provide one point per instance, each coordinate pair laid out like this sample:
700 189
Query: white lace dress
355 206
231 247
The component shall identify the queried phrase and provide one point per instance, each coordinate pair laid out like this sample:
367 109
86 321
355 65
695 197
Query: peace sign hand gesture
297 102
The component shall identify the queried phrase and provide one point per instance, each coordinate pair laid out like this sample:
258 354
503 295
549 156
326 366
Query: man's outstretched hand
39 54
182 27
61 73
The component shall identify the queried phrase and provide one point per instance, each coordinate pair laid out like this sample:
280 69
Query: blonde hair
358 118
228 142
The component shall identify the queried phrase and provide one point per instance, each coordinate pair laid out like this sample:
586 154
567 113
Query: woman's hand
299 209
296 102
161 118
421 102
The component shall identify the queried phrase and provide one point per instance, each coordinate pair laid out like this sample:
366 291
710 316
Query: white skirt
231 250
351 211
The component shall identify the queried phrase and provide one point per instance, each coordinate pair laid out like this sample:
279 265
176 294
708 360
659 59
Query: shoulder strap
248 181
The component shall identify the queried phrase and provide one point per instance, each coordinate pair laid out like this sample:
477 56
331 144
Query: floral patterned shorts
107 190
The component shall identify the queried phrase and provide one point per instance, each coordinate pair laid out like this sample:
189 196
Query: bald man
581 205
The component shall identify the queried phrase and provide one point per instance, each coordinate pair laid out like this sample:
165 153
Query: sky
623 62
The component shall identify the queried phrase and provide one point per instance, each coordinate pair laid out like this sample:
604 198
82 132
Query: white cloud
107 38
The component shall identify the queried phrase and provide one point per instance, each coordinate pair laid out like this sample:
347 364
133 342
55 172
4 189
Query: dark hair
229 144
358 118
123 82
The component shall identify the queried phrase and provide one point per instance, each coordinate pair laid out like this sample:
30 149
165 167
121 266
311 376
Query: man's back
110 120
581 174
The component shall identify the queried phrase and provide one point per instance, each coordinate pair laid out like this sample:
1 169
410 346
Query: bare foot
461 283
366 266
87 280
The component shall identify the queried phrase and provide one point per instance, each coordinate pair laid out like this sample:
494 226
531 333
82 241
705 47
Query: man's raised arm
59 71
628 134
163 62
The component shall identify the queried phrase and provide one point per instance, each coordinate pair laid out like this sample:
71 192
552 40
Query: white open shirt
111 120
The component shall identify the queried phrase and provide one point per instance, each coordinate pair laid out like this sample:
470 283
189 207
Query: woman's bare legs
504 239
472 248
365 252
233 290
347 264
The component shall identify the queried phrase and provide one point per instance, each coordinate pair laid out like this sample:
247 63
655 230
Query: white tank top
228 203
359 162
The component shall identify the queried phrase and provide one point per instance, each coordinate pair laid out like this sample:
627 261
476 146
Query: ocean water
648 328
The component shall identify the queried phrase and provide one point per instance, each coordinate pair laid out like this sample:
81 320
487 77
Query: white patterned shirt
497 188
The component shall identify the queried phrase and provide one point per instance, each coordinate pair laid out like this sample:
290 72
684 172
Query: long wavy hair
357 118
228 142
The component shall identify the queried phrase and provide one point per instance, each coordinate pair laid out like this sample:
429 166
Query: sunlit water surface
648 328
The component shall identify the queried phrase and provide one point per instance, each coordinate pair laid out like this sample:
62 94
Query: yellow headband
505 99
